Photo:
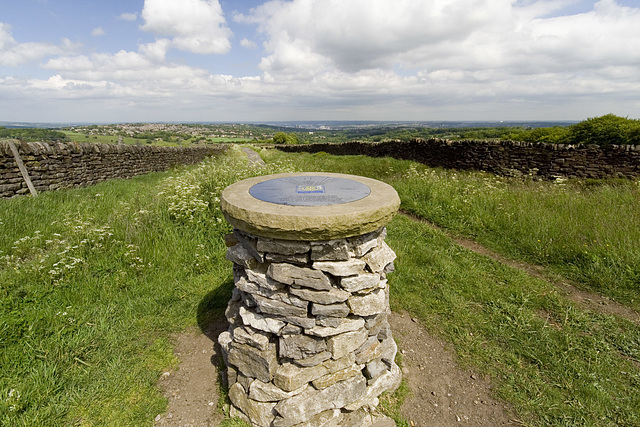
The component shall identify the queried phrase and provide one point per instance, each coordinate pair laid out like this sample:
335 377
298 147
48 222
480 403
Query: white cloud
315 36
13 53
382 59
196 26
128 16
98 31
249 44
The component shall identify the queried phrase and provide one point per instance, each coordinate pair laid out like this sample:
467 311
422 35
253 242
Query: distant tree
552 135
285 138
606 130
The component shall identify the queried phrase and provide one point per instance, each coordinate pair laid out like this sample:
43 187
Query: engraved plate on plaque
310 190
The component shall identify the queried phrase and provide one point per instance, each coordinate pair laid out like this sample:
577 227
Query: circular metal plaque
310 190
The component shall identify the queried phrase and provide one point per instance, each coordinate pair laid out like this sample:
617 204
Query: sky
249 60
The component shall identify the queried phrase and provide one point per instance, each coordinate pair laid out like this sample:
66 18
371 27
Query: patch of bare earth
441 393
192 390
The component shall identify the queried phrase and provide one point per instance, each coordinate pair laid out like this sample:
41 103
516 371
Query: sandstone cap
324 219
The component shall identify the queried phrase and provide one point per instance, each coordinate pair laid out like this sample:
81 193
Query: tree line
604 130
32 134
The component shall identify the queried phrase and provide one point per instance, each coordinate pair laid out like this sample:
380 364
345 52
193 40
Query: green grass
113 139
554 362
93 281
585 231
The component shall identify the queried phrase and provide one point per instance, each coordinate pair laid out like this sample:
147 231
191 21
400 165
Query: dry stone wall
66 164
504 158
309 343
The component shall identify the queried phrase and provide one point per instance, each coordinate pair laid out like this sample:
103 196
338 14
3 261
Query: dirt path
588 300
442 394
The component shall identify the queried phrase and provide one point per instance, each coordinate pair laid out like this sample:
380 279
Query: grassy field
93 282
112 139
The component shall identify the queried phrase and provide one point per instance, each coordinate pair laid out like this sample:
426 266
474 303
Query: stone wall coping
312 223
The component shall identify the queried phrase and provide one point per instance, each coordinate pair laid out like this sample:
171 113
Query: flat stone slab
309 206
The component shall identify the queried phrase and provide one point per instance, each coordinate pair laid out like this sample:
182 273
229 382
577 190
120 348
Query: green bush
605 130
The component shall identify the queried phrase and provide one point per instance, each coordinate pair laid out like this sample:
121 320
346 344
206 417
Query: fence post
22 167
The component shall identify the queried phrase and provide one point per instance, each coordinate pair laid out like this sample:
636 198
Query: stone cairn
309 343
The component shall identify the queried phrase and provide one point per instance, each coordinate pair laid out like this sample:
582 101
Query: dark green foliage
32 134
552 135
285 138
606 130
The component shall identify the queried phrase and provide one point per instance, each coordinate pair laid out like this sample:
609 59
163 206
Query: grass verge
92 283
94 280
586 231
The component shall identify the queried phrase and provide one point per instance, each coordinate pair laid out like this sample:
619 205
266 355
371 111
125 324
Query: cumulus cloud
13 53
309 37
378 59
249 44
128 16
98 31
196 26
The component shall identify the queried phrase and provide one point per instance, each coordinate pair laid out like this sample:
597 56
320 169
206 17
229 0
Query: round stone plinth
309 205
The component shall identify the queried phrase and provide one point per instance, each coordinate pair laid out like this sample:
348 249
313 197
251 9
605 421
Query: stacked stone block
309 343
56 165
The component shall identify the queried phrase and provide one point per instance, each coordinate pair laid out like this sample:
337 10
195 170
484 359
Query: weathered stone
369 304
330 322
232 313
303 322
258 321
279 308
341 268
267 392
290 377
360 282
379 257
363 244
343 363
260 278
299 276
313 360
254 289
347 325
260 364
374 369
328 418
299 259
290 329
239 255
383 333
305 405
225 339
249 243
260 413
332 250
333 310
388 351
300 346
283 247
253 337
375 321
386 382
369 351
343 344
331 379
330 296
